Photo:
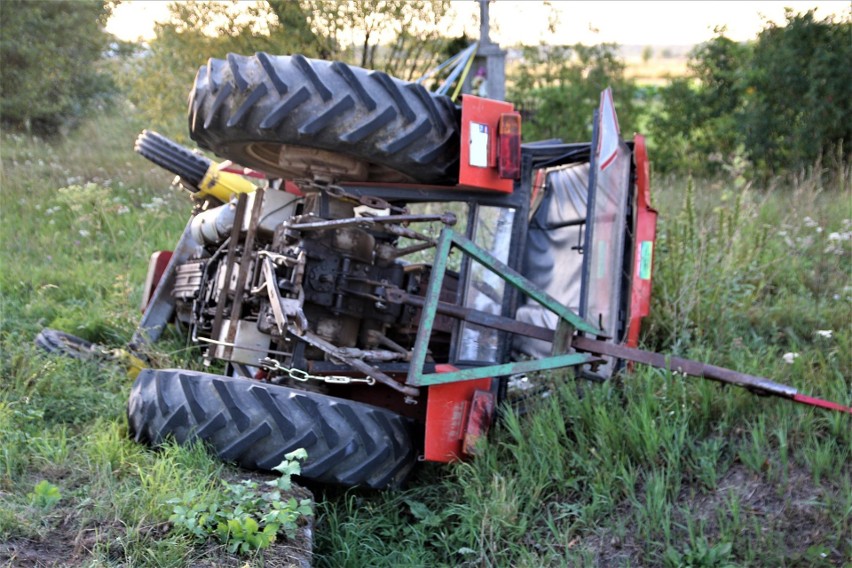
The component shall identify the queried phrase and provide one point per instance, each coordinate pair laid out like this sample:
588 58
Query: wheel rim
294 162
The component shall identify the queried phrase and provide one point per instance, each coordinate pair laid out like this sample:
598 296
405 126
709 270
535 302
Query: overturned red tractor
394 260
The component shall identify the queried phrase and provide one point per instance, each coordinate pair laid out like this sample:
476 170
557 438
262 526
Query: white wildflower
122 209
824 333
156 203
790 357
84 233
810 223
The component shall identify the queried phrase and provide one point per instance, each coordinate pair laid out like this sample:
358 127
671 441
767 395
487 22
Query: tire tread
295 101
348 443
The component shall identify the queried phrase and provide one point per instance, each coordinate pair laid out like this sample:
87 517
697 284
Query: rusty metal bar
759 385
229 266
357 364
515 279
242 275
445 218
477 317
686 366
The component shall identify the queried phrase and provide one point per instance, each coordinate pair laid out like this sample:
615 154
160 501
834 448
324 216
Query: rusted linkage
300 224
759 385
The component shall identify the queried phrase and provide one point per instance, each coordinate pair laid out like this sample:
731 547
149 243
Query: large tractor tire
294 117
255 424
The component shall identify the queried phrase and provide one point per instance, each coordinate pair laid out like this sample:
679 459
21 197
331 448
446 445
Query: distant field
655 71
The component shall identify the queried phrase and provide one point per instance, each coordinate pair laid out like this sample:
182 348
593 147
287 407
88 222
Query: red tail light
509 149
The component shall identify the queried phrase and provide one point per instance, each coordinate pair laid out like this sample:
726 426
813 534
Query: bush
698 117
782 101
558 88
49 62
799 106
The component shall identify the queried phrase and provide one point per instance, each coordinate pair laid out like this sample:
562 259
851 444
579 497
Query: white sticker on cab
478 145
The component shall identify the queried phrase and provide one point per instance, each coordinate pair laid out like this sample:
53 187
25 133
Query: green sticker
646 254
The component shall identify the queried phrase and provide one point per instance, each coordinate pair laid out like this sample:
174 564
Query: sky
525 22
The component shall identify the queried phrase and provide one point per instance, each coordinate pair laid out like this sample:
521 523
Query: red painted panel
156 266
447 413
486 112
643 252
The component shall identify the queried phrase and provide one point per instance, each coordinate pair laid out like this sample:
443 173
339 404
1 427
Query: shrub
49 62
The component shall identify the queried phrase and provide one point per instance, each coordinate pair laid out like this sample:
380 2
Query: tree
799 105
558 89
698 118
400 37
50 55
159 80
783 100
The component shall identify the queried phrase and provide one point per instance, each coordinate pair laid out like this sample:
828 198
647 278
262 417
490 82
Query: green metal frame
568 320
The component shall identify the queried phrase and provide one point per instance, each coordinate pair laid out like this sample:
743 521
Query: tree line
780 101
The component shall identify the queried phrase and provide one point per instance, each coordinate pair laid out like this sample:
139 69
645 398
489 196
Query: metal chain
299 375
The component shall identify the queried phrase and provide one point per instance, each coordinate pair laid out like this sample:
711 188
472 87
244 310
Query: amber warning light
509 146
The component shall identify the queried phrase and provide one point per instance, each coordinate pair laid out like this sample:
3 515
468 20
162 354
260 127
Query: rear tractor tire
294 117
254 424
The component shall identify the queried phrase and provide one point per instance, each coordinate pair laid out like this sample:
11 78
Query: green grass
652 469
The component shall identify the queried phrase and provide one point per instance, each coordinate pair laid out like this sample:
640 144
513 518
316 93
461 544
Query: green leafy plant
245 516
45 495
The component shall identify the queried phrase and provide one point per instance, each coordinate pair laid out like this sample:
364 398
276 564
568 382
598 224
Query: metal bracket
569 321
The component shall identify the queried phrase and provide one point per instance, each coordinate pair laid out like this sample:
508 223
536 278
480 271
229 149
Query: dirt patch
66 544
792 513
792 506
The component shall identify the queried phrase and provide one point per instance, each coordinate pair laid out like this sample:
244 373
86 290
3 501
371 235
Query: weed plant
651 469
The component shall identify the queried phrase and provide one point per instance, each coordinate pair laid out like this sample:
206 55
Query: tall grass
79 218
656 468
650 469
